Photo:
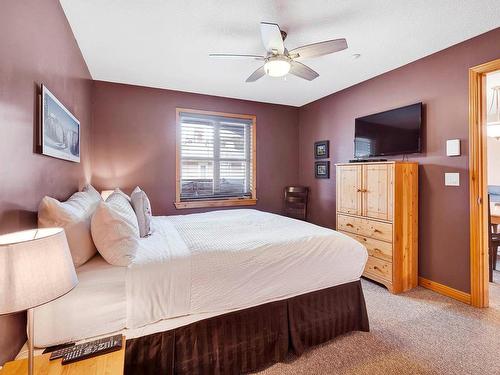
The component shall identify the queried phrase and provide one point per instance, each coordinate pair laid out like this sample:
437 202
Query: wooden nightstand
106 364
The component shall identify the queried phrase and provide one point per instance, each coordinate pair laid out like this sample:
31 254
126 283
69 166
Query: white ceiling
165 43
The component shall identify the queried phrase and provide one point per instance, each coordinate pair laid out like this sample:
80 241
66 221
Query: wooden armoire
377 204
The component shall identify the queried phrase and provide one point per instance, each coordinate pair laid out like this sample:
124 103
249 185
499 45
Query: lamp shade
35 267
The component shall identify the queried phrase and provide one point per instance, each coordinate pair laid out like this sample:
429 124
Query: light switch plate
453 147
452 179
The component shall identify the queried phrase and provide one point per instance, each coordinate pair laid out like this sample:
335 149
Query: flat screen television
394 132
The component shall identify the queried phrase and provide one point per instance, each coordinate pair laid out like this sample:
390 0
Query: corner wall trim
445 290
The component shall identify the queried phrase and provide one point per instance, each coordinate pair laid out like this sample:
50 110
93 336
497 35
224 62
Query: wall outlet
453 147
452 179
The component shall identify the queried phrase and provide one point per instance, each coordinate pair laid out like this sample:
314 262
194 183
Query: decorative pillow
89 189
142 208
74 216
118 191
115 230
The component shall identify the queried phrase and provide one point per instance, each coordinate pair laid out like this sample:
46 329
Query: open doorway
478 182
493 178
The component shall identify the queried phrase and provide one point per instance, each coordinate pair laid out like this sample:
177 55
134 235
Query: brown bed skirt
248 340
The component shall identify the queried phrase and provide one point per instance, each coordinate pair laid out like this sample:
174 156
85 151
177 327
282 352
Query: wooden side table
105 364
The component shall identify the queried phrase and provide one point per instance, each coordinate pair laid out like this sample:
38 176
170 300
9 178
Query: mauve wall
441 82
134 133
36 46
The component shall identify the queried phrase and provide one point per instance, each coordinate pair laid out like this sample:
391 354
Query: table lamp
35 268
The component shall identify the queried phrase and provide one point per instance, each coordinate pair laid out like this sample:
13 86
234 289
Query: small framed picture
322 169
322 150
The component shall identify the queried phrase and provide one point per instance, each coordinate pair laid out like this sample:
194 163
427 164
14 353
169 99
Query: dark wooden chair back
493 242
295 202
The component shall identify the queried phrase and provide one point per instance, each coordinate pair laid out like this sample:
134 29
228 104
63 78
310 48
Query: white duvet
201 263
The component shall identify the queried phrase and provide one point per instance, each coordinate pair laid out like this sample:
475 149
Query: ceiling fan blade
259 73
302 71
271 37
319 49
236 56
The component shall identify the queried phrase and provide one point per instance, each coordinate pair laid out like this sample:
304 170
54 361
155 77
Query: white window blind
215 157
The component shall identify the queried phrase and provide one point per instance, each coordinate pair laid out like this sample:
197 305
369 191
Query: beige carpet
419 332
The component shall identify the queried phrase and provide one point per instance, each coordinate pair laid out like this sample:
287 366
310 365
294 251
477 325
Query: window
215 159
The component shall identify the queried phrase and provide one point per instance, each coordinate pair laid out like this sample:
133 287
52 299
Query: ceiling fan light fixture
277 66
278 61
493 115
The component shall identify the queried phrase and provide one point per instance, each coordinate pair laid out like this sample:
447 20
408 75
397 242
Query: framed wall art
322 150
322 169
59 129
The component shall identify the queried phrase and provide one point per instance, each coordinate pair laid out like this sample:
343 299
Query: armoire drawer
365 227
378 269
376 248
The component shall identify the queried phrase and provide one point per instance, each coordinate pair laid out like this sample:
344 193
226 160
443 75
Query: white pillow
74 216
142 207
115 230
118 191
94 194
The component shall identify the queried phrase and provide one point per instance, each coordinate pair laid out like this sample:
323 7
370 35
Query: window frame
210 202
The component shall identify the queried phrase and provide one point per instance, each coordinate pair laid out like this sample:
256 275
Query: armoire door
378 191
349 189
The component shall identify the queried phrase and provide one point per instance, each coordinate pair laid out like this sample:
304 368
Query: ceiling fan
278 61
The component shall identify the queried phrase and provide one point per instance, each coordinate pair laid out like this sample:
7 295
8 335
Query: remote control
88 349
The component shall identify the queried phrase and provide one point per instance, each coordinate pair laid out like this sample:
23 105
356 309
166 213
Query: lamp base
31 358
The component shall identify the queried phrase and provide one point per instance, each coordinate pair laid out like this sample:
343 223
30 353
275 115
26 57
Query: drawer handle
349 225
377 250
377 231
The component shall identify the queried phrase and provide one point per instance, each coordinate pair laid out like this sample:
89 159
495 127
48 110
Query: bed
220 292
